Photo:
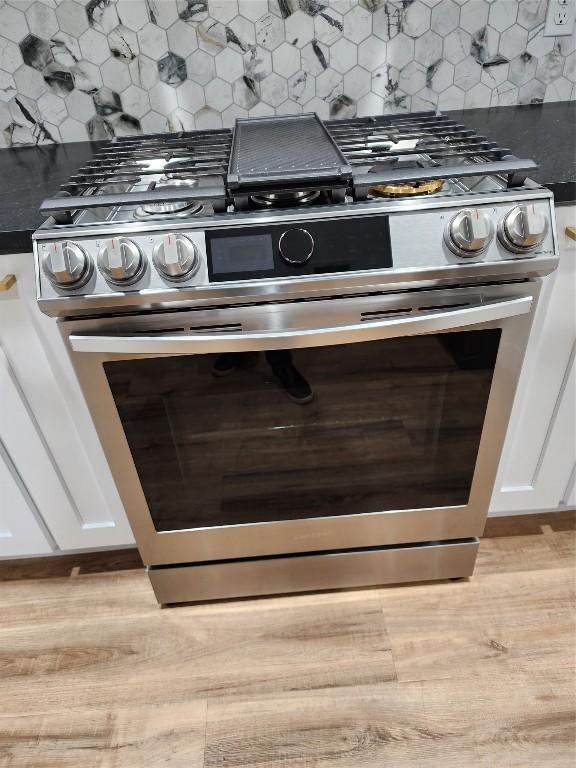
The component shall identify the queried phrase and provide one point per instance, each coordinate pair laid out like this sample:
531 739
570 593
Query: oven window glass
223 440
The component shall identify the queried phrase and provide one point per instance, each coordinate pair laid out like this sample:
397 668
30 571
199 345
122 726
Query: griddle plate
289 150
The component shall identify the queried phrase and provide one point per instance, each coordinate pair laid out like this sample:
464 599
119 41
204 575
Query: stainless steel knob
120 260
67 265
523 228
469 232
175 257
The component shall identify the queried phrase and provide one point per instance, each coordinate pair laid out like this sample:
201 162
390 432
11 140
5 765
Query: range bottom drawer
305 573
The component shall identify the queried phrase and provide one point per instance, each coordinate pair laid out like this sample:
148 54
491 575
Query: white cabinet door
538 461
90 514
21 531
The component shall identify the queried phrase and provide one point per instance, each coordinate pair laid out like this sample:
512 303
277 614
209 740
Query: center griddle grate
286 151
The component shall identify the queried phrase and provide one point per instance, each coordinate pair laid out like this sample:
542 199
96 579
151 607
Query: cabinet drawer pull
7 282
571 232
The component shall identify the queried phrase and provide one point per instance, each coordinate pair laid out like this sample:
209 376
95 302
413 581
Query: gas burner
180 169
281 199
407 190
170 209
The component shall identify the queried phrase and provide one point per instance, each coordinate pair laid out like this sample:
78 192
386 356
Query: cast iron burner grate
280 155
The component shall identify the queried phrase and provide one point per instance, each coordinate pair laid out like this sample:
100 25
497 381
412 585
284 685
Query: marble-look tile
72 18
343 55
273 90
342 107
131 14
315 57
550 67
269 31
416 19
385 80
299 29
94 46
99 68
115 73
286 60
440 76
387 22
531 92
523 68
153 40
13 23
400 50
457 45
328 26
559 90
136 102
467 73
477 97
357 82
503 14
245 92
445 17
80 106
29 82
474 15
513 41
229 65
218 94
428 48
200 67
240 34
252 9
412 78
123 43
329 84
532 13
301 87
42 20
257 63
35 52
357 24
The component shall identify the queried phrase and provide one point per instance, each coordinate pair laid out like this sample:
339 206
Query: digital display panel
252 253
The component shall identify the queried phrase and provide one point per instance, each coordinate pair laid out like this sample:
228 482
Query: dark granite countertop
543 132
27 176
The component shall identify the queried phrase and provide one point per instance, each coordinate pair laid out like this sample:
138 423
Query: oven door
411 398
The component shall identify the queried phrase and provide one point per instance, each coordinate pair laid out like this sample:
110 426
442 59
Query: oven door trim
515 305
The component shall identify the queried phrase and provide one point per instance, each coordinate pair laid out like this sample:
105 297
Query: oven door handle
246 341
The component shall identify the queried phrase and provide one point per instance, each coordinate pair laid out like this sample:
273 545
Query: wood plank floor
471 674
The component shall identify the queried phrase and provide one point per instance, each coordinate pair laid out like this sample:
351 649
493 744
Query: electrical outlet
560 18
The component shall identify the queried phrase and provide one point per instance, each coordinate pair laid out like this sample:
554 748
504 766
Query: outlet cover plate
560 9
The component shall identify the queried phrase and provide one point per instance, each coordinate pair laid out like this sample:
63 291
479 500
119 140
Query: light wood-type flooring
465 674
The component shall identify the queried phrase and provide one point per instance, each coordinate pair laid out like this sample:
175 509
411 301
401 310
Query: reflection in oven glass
348 429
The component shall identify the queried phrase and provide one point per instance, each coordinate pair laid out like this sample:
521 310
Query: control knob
120 260
522 229
175 257
469 232
296 246
67 265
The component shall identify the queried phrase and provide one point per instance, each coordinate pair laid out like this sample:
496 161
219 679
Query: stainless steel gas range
299 342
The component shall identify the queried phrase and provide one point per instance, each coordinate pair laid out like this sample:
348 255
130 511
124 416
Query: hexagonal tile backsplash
71 70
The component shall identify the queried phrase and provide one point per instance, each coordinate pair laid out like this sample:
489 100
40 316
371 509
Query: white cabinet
21 528
83 510
537 470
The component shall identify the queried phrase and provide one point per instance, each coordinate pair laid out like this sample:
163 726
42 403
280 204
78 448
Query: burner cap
181 207
271 199
408 189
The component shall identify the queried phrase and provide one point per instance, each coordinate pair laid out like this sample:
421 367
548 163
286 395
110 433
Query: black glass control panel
299 248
